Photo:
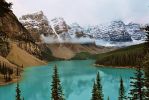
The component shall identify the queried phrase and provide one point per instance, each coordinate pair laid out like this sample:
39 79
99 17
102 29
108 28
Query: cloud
87 11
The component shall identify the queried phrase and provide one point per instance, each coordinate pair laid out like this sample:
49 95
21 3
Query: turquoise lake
76 77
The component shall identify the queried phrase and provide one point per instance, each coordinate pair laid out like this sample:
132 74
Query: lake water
77 79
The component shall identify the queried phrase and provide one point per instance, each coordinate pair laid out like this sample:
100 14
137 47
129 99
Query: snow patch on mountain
37 23
117 44
116 33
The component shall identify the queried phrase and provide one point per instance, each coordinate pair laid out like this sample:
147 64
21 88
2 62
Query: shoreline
96 65
14 80
120 67
11 82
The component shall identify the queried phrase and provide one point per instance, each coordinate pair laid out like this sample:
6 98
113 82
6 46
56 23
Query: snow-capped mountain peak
59 25
57 30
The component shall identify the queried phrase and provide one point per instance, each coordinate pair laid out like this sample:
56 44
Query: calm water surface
77 79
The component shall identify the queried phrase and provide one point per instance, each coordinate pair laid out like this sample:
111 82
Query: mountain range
116 33
34 40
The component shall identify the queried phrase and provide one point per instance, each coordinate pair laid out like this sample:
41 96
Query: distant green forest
82 56
129 56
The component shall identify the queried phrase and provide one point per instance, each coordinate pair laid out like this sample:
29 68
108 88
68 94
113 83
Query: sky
87 12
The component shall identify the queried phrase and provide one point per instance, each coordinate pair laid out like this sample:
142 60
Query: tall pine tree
146 29
97 89
146 70
61 93
99 86
18 92
4 7
95 92
57 93
146 63
122 91
137 86
108 98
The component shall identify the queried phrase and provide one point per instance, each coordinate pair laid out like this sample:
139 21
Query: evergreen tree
95 92
99 86
97 89
137 86
146 63
146 29
121 91
108 98
18 92
4 7
146 70
61 93
17 71
57 93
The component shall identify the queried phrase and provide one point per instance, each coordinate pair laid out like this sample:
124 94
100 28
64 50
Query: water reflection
77 79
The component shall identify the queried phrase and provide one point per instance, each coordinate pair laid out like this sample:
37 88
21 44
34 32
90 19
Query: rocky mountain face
117 31
59 25
57 30
12 32
37 24
60 29
135 32
12 28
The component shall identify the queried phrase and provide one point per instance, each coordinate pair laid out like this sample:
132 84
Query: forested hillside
129 56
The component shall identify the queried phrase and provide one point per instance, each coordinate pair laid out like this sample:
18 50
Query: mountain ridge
114 33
